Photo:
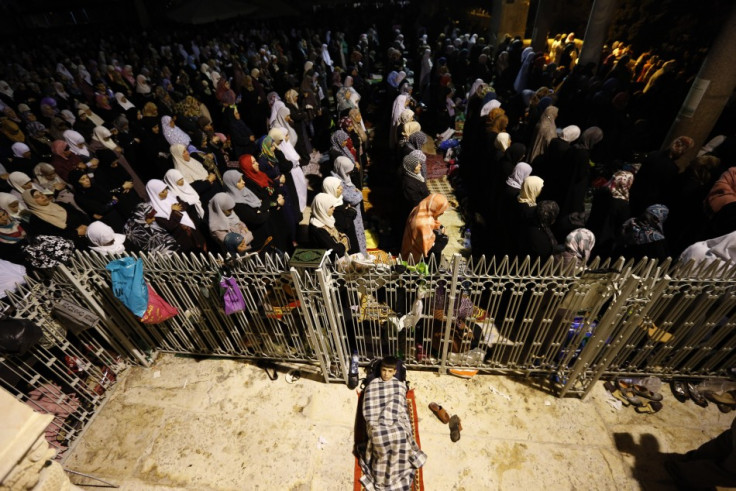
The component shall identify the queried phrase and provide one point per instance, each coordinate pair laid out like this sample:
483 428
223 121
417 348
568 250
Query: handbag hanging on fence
232 297
130 287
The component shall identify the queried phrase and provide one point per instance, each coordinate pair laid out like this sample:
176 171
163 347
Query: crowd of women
198 145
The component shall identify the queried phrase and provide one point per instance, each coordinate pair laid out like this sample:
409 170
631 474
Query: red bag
158 309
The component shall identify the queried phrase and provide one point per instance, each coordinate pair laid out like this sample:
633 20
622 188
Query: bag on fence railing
128 284
157 310
464 307
18 336
231 295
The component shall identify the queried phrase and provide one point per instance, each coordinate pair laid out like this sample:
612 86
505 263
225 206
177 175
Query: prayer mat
442 186
411 403
436 167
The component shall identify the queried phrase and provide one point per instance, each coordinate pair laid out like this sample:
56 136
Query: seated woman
643 236
60 219
322 231
96 201
344 213
170 216
578 246
145 235
104 240
49 180
391 445
15 207
185 193
204 183
251 210
111 176
12 238
424 235
236 244
223 220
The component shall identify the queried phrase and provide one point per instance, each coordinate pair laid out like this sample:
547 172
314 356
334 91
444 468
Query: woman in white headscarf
400 104
15 207
351 195
50 182
223 220
104 239
76 143
204 183
141 85
92 116
322 231
281 117
282 139
170 216
180 188
103 137
124 102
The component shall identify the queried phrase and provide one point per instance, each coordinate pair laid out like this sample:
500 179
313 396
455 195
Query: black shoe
695 395
679 390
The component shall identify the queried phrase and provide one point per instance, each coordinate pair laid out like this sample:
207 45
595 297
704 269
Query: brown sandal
455 428
439 412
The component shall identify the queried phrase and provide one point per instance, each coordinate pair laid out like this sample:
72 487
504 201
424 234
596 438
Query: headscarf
41 171
406 116
76 143
259 177
721 248
419 236
416 140
18 179
232 241
503 140
141 85
620 184
546 132
680 146
163 206
174 135
104 239
13 232
590 138
320 207
489 106
337 139
68 116
330 185
570 133
119 96
522 170
92 116
11 130
580 243
19 149
245 195
150 110
185 192
6 199
530 189
343 166
104 136
648 227
398 108
416 157
220 203
409 129
51 213
192 170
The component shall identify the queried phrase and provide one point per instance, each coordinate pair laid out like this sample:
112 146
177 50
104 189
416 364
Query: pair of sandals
454 421
683 390
644 400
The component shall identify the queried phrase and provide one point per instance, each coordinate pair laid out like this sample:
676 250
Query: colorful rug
436 166
418 484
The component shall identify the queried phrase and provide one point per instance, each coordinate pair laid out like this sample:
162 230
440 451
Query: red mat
436 166
418 484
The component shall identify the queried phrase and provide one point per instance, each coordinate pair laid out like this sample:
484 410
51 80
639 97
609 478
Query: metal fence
568 327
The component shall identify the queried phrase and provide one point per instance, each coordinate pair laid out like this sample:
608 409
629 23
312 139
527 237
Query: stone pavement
220 424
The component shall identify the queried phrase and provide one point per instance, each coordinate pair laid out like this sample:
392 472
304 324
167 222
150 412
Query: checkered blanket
391 456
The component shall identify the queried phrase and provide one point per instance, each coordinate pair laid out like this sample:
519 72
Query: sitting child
390 457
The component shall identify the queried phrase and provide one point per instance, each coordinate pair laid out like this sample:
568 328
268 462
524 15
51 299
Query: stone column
508 18
542 22
709 92
601 15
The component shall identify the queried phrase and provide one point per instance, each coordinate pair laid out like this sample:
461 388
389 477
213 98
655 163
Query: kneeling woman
223 220
322 231
170 215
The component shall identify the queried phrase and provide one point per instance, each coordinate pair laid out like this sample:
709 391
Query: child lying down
391 456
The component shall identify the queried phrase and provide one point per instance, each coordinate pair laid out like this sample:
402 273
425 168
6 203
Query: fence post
321 351
450 312
334 327
92 304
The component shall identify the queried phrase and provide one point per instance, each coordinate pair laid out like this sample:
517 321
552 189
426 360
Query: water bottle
466 238
353 376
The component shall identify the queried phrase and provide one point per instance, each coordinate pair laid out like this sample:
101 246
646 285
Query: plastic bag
231 295
128 284
157 310
18 336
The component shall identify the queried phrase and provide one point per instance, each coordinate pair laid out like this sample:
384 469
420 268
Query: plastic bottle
652 383
353 376
466 238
